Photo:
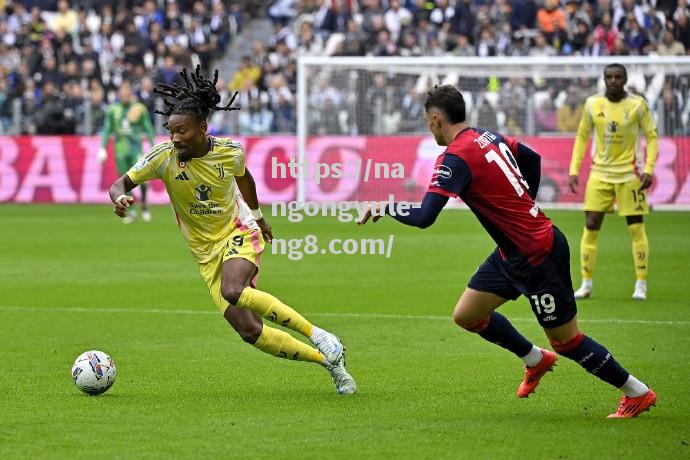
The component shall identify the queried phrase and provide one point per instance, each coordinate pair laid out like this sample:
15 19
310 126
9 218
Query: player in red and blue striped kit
497 178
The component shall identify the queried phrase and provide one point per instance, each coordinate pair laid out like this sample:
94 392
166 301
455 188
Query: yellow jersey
617 127
202 191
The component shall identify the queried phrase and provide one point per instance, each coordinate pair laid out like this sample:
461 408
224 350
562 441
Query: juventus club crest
613 127
219 169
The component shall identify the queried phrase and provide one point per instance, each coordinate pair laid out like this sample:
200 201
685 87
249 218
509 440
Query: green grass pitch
74 278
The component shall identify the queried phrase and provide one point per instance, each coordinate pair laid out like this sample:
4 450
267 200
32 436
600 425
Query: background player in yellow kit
617 118
217 210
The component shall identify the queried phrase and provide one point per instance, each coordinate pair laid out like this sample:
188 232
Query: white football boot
344 383
146 215
329 345
640 290
585 290
130 217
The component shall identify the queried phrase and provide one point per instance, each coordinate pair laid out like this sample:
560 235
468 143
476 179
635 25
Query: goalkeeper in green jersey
127 120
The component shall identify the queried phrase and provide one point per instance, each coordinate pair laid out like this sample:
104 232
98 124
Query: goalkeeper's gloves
102 154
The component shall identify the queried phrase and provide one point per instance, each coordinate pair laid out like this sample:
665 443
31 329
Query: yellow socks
640 249
281 344
274 310
588 252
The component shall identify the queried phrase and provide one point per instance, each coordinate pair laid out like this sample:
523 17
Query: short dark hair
616 65
449 100
198 97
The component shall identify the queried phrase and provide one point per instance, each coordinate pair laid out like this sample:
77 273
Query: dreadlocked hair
199 96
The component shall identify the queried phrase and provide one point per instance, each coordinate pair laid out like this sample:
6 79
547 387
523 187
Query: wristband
257 214
120 197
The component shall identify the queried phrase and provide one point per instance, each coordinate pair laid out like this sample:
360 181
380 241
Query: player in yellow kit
617 119
217 210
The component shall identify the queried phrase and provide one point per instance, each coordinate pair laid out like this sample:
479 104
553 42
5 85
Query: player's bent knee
566 346
247 329
476 326
249 334
232 293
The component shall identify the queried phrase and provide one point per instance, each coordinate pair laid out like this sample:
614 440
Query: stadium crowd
62 61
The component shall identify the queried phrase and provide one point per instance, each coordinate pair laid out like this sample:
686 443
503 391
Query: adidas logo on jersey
182 176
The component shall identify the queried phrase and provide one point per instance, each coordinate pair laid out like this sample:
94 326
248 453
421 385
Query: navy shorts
547 286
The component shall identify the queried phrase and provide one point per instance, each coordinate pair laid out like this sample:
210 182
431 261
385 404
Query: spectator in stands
169 73
396 17
202 43
441 14
682 30
624 11
464 47
257 119
219 26
5 107
75 108
681 8
50 72
324 19
146 96
546 116
504 40
134 45
541 47
66 19
579 37
463 21
411 110
309 44
53 117
384 45
605 35
669 46
523 14
486 115
670 108
486 45
551 18
635 36
570 112
284 116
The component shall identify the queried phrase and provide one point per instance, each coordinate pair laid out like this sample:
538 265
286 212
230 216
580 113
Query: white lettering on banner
92 173
664 175
9 151
65 169
48 169
349 149
256 162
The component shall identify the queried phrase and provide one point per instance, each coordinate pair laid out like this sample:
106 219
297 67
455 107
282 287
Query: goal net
362 135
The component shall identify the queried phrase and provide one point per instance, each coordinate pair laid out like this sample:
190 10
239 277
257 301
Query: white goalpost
367 112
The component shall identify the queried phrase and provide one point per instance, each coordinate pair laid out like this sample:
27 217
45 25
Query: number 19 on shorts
544 304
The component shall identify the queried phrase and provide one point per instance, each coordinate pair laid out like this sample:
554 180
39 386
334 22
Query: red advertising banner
65 169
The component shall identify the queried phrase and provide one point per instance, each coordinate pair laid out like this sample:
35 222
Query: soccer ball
94 372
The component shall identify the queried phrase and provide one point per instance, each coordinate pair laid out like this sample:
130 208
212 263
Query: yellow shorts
247 244
600 196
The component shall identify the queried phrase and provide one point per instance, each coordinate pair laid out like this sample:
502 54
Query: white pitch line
335 315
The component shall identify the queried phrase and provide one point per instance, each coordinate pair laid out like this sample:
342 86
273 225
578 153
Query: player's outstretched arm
247 188
118 194
584 130
421 217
